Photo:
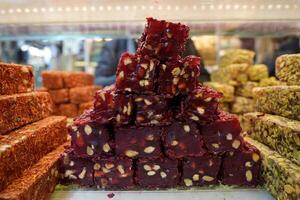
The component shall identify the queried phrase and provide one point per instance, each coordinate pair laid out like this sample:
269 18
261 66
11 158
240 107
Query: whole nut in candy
215 145
163 174
147 168
210 163
156 167
194 117
208 99
255 157
97 166
208 178
102 96
164 67
248 164
121 75
89 151
200 110
105 170
174 143
186 128
151 173
150 137
236 144
248 175
120 168
131 153
196 177
106 147
72 163
109 165
127 61
188 182
147 102
87 129
176 71
229 136
149 149
82 173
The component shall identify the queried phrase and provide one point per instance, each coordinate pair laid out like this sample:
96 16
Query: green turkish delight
242 105
278 100
227 90
278 133
237 56
258 72
288 68
245 90
271 81
280 176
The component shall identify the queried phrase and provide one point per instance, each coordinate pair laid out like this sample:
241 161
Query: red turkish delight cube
190 72
136 142
242 167
113 173
104 98
202 170
183 139
163 40
201 105
152 110
136 74
223 134
88 138
76 170
157 173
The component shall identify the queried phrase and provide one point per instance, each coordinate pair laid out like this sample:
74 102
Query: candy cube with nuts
163 40
152 110
223 134
201 105
157 173
89 139
183 139
113 173
242 167
136 74
76 170
201 170
134 142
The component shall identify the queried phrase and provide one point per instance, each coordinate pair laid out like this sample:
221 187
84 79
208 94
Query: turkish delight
242 105
278 133
183 139
157 173
53 79
68 109
25 146
163 40
226 89
21 109
279 175
288 68
83 94
113 173
85 106
245 90
258 72
237 56
15 79
134 142
242 167
201 170
278 100
223 134
271 81
59 96
77 79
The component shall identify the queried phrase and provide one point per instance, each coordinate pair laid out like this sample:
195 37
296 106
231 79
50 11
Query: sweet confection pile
158 127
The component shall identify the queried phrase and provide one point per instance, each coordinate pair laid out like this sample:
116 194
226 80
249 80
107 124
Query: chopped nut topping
97 166
255 157
174 143
236 144
208 178
127 61
121 75
120 168
89 151
164 67
188 182
200 110
106 147
138 99
229 136
215 145
248 175
151 65
151 173
196 177
194 117
175 80
147 102
144 65
248 164
186 128
109 165
208 99
149 149
147 168
131 153
82 173
87 129
176 71
143 83
163 174
289 189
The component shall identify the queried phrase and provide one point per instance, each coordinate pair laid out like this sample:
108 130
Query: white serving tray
216 194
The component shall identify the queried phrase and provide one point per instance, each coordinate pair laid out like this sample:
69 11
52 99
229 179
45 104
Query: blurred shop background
90 35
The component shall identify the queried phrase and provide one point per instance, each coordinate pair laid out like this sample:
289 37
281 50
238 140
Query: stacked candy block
158 127
72 92
276 127
28 161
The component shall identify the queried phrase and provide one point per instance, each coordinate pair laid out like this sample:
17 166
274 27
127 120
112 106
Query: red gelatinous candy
223 134
183 139
113 173
202 170
242 167
136 74
201 105
75 169
157 173
163 40
88 138
134 142
152 110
